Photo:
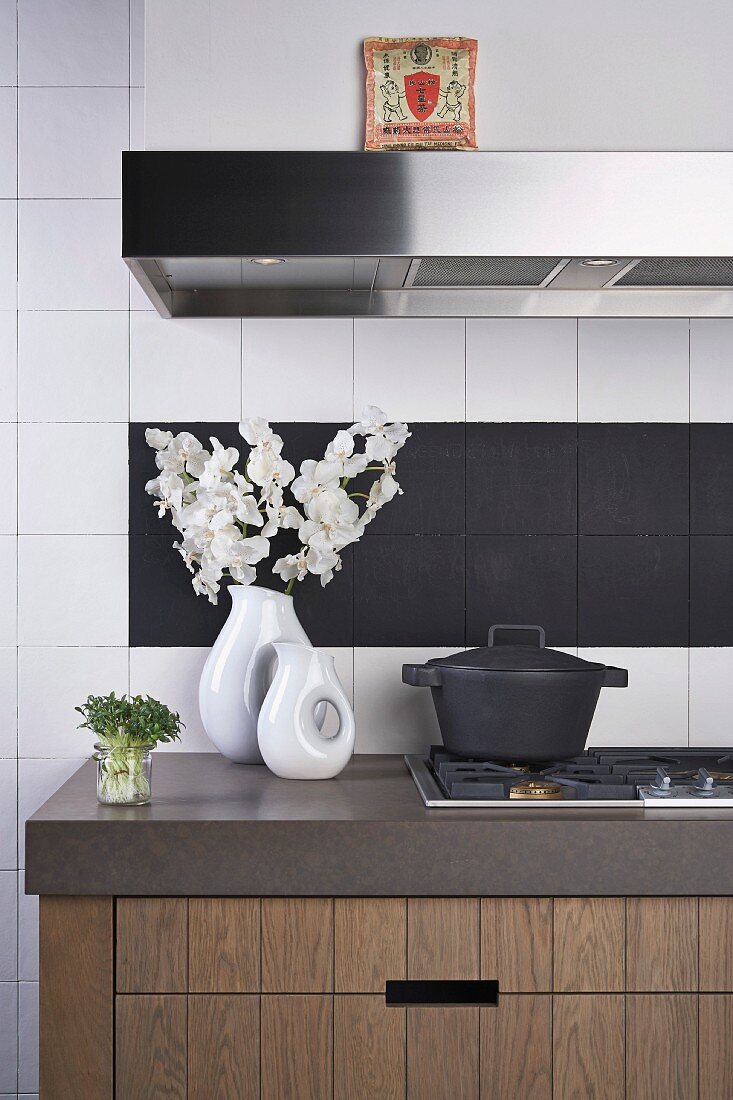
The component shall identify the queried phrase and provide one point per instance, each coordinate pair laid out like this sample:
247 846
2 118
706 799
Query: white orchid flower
340 460
308 560
219 466
384 489
258 433
168 487
155 437
323 564
184 452
190 554
332 516
311 482
243 555
383 440
292 566
279 518
241 504
206 581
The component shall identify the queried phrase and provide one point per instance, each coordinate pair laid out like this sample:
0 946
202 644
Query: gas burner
626 778
536 788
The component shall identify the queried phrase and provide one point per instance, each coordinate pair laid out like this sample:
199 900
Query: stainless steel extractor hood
431 234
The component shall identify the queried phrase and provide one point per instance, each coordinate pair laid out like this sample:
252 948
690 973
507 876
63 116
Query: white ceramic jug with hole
290 741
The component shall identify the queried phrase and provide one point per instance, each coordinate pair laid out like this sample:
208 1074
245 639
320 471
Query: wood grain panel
443 938
516 1048
152 945
443 1053
715 1059
589 938
588 1047
76 998
224 945
296 1051
150 1032
716 938
661 1046
297 945
661 944
370 936
516 943
223 1047
368 1049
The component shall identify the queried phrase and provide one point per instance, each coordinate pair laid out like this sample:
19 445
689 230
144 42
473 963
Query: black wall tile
409 590
431 470
633 591
711 590
711 479
633 479
521 479
165 610
522 579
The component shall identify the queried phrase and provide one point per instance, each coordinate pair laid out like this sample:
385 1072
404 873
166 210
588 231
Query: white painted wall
571 74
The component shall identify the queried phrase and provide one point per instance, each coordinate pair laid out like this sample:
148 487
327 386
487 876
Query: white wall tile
187 369
413 369
8 42
72 590
8 701
73 365
70 142
8 1038
8 365
27 933
8 143
9 466
711 370
8 603
97 507
8 926
8 821
51 682
27 1036
652 710
521 369
298 368
137 123
37 781
70 43
633 370
172 676
8 253
392 716
711 673
69 255
137 43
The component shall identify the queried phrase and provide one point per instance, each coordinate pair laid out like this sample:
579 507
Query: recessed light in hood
426 234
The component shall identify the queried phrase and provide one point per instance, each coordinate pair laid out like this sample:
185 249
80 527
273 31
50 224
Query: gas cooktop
622 778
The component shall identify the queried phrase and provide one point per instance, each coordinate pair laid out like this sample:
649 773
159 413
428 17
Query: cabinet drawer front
661 945
588 1047
223 1047
370 943
716 1050
224 945
152 945
516 943
716 937
589 938
442 1053
516 1048
661 1046
297 945
368 1049
150 1040
443 938
296 1047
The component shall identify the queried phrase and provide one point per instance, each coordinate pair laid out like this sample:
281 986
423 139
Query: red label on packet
420 93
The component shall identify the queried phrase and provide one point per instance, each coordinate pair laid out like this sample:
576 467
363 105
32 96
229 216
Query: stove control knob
661 785
705 783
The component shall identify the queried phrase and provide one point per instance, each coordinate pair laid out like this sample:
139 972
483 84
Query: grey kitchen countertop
217 828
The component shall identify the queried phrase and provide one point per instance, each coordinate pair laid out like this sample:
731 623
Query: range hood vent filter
683 271
499 271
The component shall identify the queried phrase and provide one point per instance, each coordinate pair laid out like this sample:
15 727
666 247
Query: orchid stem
365 495
289 587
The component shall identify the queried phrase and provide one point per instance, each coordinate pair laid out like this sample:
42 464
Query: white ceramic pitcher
290 741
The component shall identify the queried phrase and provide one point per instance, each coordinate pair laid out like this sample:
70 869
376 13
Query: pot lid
513 655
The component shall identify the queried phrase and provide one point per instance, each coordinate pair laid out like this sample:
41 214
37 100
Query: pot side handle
421 676
615 677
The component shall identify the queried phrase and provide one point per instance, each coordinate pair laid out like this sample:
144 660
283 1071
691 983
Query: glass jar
123 775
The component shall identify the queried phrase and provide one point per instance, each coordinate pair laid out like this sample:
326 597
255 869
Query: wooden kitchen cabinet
283 998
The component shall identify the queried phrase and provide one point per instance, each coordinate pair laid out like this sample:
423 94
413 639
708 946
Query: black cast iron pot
515 702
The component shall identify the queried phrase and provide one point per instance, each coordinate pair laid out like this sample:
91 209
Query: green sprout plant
125 728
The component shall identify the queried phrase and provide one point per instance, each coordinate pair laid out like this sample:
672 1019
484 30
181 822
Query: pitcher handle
333 693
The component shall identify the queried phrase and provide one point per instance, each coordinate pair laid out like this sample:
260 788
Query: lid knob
511 626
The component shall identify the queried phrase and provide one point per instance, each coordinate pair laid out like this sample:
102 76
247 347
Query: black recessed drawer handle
401 994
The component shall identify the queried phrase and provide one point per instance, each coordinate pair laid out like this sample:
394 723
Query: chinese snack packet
420 93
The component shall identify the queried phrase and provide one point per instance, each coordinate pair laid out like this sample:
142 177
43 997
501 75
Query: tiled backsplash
534 440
